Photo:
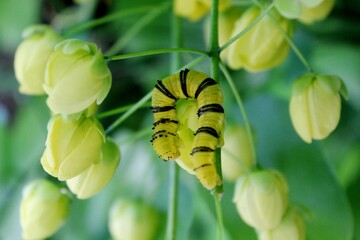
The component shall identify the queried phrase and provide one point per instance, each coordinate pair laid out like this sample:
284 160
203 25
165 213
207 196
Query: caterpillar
189 84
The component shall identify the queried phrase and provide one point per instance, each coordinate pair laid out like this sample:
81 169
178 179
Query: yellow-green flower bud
43 210
194 10
71 147
31 57
190 9
315 105
237 158
131 220
98 175
76 76
291 227
261 198
292 8
263 46
318 13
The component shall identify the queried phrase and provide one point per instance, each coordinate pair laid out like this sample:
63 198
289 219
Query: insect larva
205 90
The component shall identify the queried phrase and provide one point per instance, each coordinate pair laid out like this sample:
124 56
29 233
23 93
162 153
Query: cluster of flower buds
75 76
306 11
260 196
133 220
265 46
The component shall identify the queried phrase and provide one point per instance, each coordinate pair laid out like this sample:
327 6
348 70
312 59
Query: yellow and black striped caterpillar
208 136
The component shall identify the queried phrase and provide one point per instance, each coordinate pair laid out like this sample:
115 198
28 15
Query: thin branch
129 112
106 19
155 52
241 106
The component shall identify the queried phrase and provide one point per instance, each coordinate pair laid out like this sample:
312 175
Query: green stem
136 28
242 108
194 62
119 110
176 43
214 39
173 201
141 134
108 18
154 52
215 60
237 36
287 38
217 198
173 168
129 112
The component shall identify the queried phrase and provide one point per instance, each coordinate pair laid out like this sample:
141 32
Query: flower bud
318 13
289 9
315 105
263 46
76 76
194 10
236 155
190 9
71 147
306 11
130 220
43 210
97 176
291 227
261 198
31 57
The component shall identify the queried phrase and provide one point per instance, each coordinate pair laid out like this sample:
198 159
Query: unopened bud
71 147
291 227
98 175
237 157
31 57
44 209
261 198
76 77
263 46
132 220
315 105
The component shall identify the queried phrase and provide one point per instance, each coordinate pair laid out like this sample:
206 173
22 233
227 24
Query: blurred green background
324 177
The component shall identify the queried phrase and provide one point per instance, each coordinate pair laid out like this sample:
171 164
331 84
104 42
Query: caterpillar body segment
208 136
